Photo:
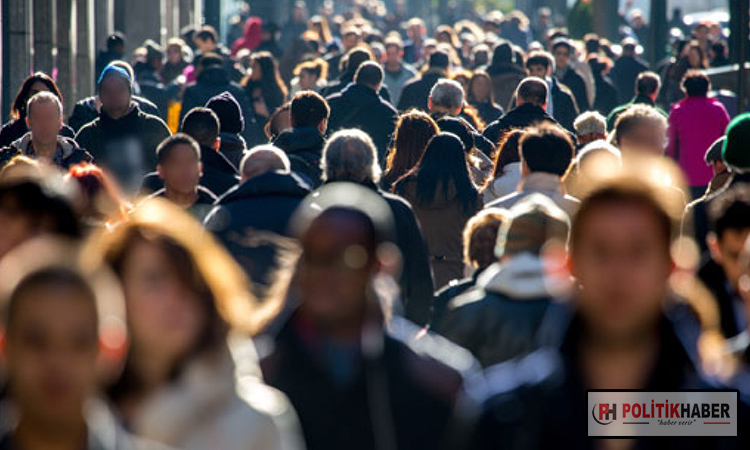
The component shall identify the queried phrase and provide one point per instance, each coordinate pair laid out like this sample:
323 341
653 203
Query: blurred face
350 41
164 315
204 45
257 72
44 121
538 70
649 137
481 88
392 54
416 32
335 271
726 252
181 172
114 94
622 263
52 348
562 56
307 80
174 54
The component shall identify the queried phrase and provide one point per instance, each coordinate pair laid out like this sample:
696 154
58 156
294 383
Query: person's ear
217 144
200 168
323 126
113 349
429 103
712 241
160 170
28 123
388 260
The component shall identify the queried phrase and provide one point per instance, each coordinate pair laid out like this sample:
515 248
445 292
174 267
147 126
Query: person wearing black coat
606 96
88 109
252 220
350 156
531 96
562 50
626 70
359 106
356 378
416 91
304 142
231 126
212 80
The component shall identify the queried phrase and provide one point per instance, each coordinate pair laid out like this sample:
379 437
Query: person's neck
184 199
619 363
38 434
117 113
45 151
393 66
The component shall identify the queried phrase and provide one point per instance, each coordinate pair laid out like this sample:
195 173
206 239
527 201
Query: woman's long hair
443 165
507 152
414 130
273 87
199 262
18 110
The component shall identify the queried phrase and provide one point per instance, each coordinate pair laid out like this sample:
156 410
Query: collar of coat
65 145
541 181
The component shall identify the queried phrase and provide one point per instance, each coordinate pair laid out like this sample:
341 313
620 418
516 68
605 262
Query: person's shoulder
88 129
153 121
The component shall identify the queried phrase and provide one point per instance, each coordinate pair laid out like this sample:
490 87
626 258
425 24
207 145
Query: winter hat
502 54
714 151
228 111
113 70
534 221
735 152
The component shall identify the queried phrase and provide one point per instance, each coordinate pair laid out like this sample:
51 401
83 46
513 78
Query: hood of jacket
300 139
267 184
67 145
524 277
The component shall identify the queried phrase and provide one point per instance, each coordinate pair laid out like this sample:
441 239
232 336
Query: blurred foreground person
29 208
183 296
180 167
353 384
626 330
350 155
252 220
44 117
444 198
99 202
61 326
501 318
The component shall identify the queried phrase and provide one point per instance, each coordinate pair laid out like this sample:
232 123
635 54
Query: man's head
647 84
350 38
179 164
206 39
695 83
115 88
620 255
641 128
263 159
116 43
629 47
44 117
562 50
202 125
344 230
439 60
546 149
590 126
350 155
532 90
394 49
540 64
416 29
309 109
369 74
729 223
446 96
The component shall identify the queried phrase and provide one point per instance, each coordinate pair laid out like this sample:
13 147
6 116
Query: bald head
263 159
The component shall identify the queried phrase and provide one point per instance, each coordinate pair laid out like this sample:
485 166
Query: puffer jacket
68 152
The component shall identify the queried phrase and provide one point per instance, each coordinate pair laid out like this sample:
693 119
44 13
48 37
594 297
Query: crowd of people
350 233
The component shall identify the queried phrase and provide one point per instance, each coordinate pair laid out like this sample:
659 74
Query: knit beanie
735 152
113 70
228 111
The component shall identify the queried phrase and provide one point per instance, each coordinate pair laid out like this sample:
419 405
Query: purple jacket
694 124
